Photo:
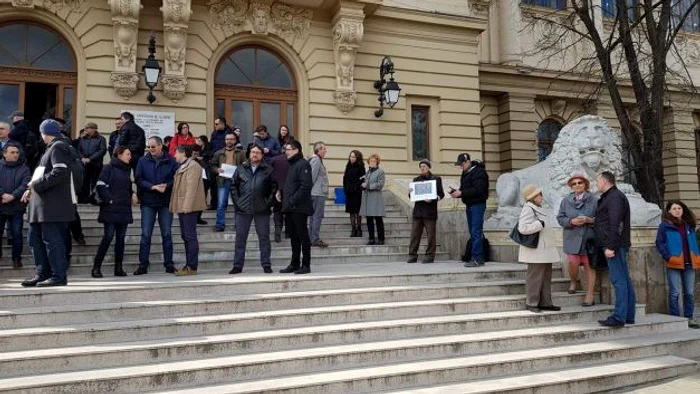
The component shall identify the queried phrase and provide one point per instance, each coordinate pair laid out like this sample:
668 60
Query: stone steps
356 368
582 380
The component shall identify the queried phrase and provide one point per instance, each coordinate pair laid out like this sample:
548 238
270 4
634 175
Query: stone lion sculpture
586 144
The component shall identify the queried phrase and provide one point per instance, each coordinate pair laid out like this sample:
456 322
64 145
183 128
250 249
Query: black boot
372 242
96 273
353 233
118 270
278 234
359 231
290 268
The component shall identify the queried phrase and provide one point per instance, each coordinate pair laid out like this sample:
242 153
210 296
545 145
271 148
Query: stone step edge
581 380
268 296
141 323
509 334
326 377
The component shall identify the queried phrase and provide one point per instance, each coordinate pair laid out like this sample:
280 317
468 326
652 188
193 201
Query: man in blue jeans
474 191
232 154
612 229
14 178
155 173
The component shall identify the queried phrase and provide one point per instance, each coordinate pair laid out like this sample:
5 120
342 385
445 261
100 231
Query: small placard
421 191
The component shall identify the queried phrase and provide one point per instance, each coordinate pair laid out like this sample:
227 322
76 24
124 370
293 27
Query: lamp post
151 69
388 90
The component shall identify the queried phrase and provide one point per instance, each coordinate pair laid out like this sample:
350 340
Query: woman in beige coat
538 285
188 200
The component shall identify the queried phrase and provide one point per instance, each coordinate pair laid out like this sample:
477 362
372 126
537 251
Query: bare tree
631 54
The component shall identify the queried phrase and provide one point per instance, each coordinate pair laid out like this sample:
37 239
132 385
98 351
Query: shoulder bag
529 240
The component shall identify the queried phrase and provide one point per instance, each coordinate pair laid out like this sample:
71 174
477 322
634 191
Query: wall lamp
151 69
388 90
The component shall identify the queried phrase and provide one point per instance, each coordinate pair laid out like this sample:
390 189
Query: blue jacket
273 147
670 245
150 172
114 187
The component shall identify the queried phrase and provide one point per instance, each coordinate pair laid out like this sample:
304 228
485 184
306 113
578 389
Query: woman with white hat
538 284
576 216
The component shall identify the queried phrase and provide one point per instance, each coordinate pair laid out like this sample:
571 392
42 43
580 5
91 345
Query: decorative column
510 22
176 18
125 18
347 36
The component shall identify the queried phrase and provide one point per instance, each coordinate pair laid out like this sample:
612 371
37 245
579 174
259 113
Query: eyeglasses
576 183
152 146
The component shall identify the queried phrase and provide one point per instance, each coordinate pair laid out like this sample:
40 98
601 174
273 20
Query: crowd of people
47 175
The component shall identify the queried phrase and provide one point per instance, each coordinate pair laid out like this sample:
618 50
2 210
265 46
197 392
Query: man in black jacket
14 177
612 229
114 137
474 191
49 197
425 215
296 205
253 187
92 148
133 137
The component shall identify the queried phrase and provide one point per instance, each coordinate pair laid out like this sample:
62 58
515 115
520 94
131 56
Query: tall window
610 8
692 22
556 4
628 160
547 133
420 131
254 86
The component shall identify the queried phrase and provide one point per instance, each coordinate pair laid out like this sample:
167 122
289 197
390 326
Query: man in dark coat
114 138
28 138
20 128
49 194
133 137
612 229
155 175
252 191
474 191
270 145
218 136
14 178
425 215
296 205
92 148
280 165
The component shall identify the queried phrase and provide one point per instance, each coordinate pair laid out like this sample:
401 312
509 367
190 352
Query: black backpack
468 250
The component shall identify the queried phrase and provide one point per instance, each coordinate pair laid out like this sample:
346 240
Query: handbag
94 197
526 240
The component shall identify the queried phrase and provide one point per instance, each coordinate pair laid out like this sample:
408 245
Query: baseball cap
461 158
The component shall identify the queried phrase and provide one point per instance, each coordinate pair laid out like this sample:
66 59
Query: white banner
161 124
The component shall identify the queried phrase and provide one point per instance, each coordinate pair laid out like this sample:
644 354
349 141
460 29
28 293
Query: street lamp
388 90
151 69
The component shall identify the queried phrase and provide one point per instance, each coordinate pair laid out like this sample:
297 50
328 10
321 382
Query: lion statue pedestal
586 144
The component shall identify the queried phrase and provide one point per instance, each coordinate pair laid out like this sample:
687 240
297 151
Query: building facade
468 82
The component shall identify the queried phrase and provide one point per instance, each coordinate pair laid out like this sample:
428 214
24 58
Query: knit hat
579 175
531 191
50 127
426 162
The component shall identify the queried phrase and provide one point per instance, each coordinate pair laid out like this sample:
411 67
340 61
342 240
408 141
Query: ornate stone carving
125 83
347 37
23 3
345 100
174 86
290 22
176 17
586 144
480 8
260 17
125 22
55 5
689 49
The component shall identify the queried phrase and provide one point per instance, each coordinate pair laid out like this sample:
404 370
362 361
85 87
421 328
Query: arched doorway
255 86
37 73
547 134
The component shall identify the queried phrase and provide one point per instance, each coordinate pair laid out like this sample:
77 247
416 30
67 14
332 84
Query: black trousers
299 235
380 227
92 172
214 200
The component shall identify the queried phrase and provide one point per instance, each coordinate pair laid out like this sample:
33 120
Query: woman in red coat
182 137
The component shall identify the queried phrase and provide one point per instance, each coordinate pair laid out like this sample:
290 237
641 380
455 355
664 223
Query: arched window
547 133
627 159
37 73
255 86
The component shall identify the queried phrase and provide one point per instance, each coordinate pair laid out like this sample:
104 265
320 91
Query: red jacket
178 139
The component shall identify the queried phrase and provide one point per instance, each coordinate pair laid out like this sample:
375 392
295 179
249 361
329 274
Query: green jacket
220 157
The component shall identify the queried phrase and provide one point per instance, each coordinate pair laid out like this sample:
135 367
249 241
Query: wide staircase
364 321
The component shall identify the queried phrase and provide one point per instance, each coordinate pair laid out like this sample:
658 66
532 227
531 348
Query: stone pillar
348 30
125 20
517 123
176 18
510 26
679 157
490 130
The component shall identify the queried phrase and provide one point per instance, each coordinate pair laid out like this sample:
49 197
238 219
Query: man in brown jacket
188 200
232 154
